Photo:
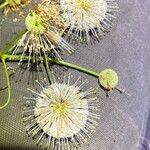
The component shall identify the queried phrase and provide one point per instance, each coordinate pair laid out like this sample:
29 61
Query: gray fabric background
123 118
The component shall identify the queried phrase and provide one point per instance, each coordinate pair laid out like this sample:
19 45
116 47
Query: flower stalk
48 70
8 82
56 61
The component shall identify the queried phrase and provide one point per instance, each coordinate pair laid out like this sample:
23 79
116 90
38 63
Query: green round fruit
108 78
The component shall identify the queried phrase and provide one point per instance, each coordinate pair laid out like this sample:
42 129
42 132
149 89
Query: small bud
108 79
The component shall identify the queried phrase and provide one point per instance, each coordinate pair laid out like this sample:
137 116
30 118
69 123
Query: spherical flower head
88 19
43 34
63 106
35 23
108 78
62 114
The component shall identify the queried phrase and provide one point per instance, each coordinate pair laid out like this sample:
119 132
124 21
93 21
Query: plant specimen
63 115
51 102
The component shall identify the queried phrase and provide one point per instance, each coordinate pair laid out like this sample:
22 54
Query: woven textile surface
123 117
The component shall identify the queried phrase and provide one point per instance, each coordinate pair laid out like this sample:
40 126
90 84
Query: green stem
8 83
48 70
75 66
59 62
4 4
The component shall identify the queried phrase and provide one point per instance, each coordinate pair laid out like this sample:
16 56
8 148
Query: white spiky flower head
43 35
62 115
88 19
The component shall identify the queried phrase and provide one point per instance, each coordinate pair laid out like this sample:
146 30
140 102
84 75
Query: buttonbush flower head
88 19
14 5
62 116
43 36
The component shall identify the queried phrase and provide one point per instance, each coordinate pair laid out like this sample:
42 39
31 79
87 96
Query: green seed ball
108 78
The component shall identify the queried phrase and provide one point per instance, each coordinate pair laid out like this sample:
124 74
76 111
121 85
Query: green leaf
10 46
